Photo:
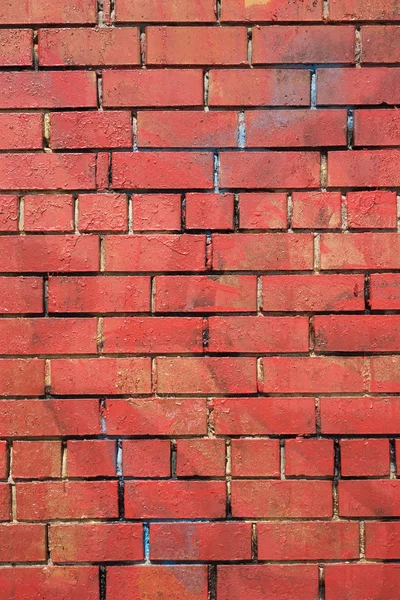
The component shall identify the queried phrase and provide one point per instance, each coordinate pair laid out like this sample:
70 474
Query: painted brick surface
199 300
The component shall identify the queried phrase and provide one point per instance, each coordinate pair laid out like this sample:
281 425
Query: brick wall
200 300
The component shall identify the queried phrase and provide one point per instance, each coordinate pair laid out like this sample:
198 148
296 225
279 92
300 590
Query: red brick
224 293
94 542
153 212
240 10
101 376
8 213
89 47
360 251
183 582
21 295
263 252
380 127
369 210
99 294
36 418
255 458
155 253
270 169
46 500
206 375
44 212
154 87
48 336
356 582
22 542
316 210
294 44
363 498
319 540
187 129
281 499
301 293
375 10
51 11
21 377
91 458
48 89
146 458
4 460
380 43
163 170
196 45
164 10
200 457
360 416
16 47
263 211
200 541
309 458
310 375
47 171
20 131
258 334
5 506
264 416
103 170
50 583
103 212
152 335
364 458
149 416
259 87
209 211
175 499
91 129
36 460
345 333
382 540
375 85
385 373
364 168
295 128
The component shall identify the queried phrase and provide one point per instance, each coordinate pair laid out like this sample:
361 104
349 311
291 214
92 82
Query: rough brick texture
199 300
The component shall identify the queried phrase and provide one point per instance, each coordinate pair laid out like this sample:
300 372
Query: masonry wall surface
199 300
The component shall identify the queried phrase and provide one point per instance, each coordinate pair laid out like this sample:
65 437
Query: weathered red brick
4 460
200 541
50 583
21 377
255 458
209 211
225 293
175 499
360 416
91 130
259 87
89 47
385 374
146 458
301 293
384 292
149 416
240 10
382 540
369 498
309 458
380 127
380 43
22 543
360 251
345 333
36 460
281 499
375 10
9 213
263 211
101 376
98 294
364 458
21 295
155 253
103 212
316 210
319 540
369 210
372 168
263 416
165 11
356 582
48 89
91 458
152 87
187 129
201 458
375 85
44 212
263 252
292 44
16 47
314 374
154 212
295 128
20 131
76 11
206 375
93 542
